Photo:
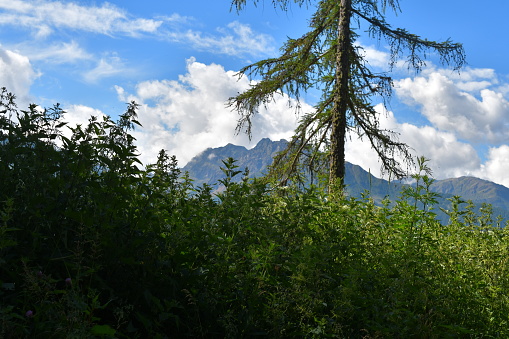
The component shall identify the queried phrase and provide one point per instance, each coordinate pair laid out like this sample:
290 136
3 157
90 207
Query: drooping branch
238 5
299 68
309 127
400 39
384 142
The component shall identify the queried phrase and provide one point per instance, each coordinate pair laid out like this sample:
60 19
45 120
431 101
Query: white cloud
59 53
236 39
448 156
244 39
495 168
376 57
463 105
106 67
44 17
469 74
80 115
17 75
189 115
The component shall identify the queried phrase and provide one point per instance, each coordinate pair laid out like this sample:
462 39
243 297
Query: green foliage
92 246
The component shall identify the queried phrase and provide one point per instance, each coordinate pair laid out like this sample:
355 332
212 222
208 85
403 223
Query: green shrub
91 245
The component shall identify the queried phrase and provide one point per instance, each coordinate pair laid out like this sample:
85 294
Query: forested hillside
93 245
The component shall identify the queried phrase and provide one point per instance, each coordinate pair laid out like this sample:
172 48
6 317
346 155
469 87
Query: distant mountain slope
205 168
475 189
357 181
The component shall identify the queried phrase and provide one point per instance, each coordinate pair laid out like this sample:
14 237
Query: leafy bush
91 245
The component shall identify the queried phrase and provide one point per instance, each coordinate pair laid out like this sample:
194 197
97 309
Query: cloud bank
45 17
468 105
188 115
16 74
236 39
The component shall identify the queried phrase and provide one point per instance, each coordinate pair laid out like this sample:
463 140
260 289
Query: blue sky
179 59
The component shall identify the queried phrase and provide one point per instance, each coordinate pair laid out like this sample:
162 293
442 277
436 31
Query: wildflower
29 314
40 274
68 281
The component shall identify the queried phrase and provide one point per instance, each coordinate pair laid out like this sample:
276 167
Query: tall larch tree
327 58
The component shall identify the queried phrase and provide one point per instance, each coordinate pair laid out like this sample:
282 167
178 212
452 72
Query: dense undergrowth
91 245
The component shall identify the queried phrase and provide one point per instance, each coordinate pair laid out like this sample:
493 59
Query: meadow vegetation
93 245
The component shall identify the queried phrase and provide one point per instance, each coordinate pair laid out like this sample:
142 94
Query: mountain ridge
475 189
205 168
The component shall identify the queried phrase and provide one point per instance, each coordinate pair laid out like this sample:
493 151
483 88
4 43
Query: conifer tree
327 58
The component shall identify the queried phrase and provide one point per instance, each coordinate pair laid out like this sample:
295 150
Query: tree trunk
340 106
